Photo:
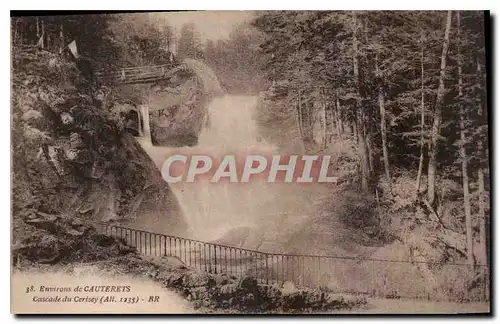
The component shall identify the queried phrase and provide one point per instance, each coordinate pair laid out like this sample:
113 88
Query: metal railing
360 276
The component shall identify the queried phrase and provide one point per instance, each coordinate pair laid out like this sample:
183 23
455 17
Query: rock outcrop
178 111
221 292
73 157
57 240
178 106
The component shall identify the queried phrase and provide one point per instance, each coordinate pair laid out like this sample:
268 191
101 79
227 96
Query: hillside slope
74 159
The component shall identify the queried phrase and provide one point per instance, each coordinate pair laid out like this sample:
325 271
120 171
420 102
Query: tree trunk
307 133
422 117
16 33
335 117
368 142
359 110
21 33
463 153
482 217
383 127
61 38
43 35
299 123
433 152
338 116
334 125
480 178
323 119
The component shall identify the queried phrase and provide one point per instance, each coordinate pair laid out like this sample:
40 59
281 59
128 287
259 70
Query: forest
405 90
409 88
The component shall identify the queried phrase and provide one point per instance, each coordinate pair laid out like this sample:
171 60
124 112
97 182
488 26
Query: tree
434 146
189 42
360 108
141 39
388 77
463 152
237 60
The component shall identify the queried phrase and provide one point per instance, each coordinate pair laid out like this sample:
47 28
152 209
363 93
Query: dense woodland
408 88
107 41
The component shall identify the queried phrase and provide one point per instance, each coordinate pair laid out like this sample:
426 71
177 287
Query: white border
258 5
192 5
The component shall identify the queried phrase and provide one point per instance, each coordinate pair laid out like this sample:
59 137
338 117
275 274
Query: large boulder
55 239
178 106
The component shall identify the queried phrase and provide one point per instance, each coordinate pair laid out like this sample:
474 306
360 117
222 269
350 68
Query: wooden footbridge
155 73
140 74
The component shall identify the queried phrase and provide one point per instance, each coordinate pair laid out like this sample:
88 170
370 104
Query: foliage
189 43
236 60
107 41
62 163
376 74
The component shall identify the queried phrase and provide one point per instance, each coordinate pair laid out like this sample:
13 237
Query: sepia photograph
250 162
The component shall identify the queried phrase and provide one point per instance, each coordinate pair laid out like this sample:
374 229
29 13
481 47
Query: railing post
150 246
230 261
303 271
282 270
225 260
185 252
373 279
256 265
242 264
139 245
246 263
319 272
204 256
260 266
198 244
150 240
189 254
215 258
210 258
267 270
165 253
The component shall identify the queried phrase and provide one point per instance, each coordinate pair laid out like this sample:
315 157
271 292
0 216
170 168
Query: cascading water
212 209
238 214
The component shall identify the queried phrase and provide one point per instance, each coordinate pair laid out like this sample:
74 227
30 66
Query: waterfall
238 214
212 209
207 76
